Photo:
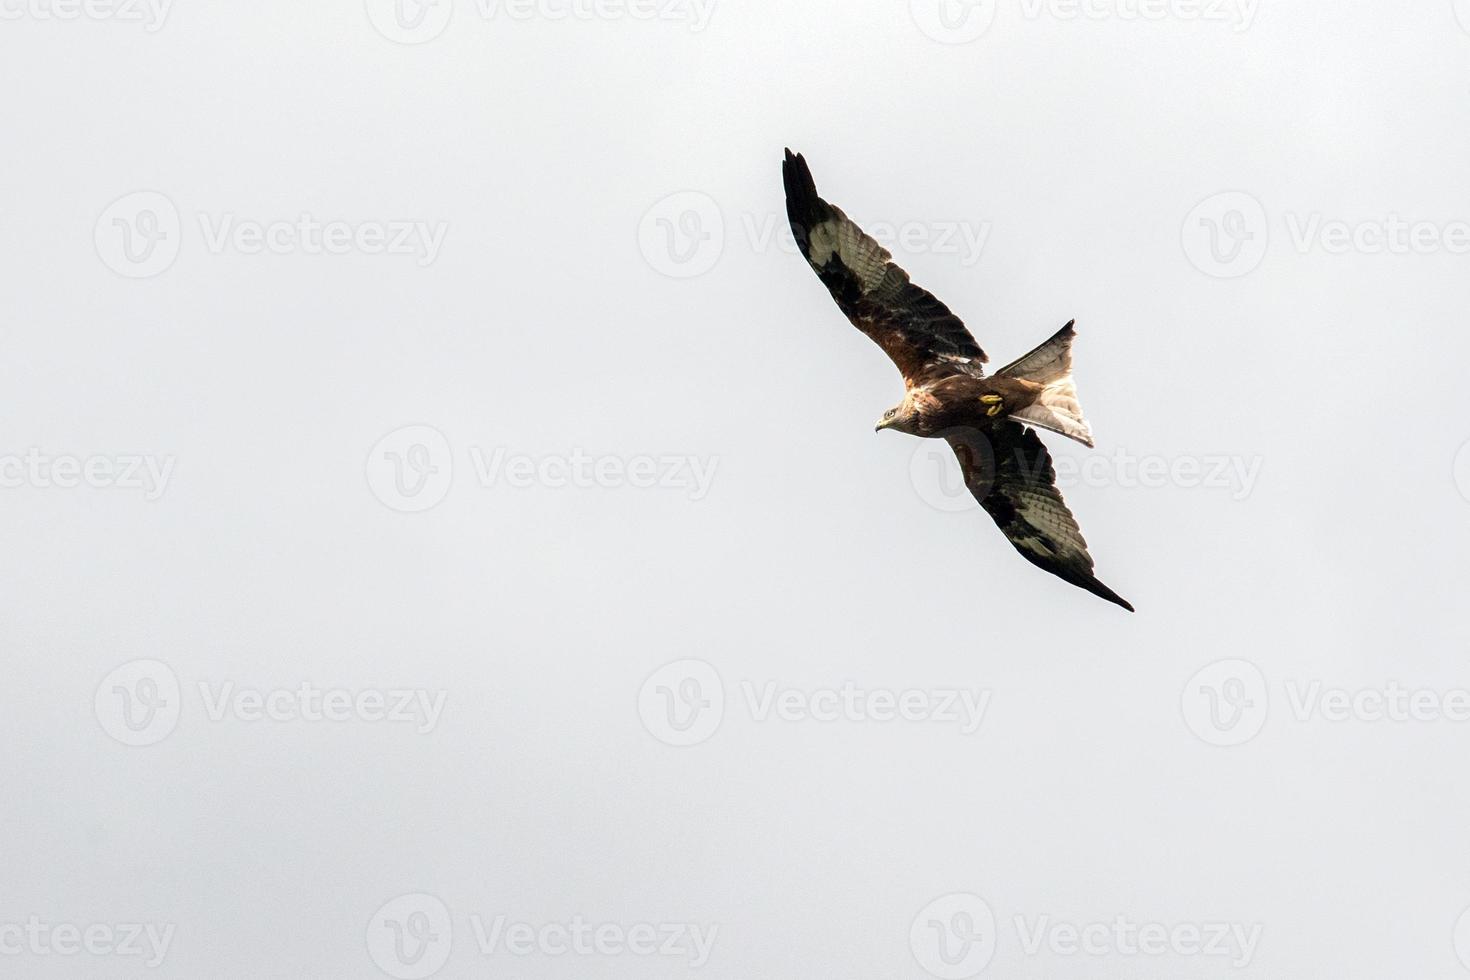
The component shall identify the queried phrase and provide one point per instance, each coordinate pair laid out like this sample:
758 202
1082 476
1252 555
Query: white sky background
1318 347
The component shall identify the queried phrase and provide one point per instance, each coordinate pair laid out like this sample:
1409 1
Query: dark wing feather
1011 474
915 330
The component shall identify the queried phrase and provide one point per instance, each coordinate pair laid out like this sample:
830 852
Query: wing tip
798 177
1103 592
804 209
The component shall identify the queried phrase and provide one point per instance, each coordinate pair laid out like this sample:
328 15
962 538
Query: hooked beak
882 424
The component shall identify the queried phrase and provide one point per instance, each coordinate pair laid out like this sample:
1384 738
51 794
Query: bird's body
930 408
987 420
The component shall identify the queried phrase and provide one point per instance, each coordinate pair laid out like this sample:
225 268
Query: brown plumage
946 391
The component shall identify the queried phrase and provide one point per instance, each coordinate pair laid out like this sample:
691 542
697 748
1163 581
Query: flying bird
989 422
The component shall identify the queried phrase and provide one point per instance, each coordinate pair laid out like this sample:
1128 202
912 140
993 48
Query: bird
989 421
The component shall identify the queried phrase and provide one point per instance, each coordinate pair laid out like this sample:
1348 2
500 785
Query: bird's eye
890 413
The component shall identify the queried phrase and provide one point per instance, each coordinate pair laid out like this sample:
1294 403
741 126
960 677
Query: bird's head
900 417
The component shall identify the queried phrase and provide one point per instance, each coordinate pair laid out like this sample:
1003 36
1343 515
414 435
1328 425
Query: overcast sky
446 534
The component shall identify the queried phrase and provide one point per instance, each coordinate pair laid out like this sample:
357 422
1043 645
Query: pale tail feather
1056 408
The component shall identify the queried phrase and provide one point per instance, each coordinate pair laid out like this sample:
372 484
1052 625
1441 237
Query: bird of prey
987 421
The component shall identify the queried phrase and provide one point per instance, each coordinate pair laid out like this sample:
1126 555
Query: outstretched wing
914 329
1011 474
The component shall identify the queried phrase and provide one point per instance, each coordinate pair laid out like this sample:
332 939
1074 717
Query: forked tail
1056 407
